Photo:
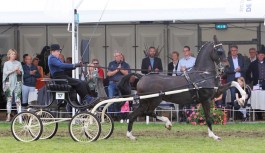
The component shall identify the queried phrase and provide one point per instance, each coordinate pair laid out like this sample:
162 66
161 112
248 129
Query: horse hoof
132 138
168 127
218 139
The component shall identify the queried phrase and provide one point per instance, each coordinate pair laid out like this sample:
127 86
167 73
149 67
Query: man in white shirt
187 62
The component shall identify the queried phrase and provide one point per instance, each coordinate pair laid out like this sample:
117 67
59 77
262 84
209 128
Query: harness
195 95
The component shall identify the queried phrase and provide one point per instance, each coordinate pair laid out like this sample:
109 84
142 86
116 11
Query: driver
58 71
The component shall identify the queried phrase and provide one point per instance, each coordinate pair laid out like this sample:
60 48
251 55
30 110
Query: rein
164 71
172 89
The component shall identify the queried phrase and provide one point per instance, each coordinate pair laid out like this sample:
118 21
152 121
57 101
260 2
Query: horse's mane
43 56
204 45
124 84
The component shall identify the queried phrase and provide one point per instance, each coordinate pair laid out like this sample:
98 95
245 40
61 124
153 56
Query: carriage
90 125
86 126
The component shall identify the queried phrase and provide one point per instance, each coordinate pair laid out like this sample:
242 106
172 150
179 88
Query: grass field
152 138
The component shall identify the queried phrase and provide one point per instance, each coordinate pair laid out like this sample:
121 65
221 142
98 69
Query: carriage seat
58 87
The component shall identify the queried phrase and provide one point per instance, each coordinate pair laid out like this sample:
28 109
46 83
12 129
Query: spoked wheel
107 125
84 127
26 127
50 125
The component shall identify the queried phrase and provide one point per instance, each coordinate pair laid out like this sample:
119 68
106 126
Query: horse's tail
124 84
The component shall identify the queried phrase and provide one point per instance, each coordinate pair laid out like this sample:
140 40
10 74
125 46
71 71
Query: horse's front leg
206 108
132 117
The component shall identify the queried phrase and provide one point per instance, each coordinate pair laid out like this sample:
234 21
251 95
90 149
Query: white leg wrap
212 135
130 136
166 120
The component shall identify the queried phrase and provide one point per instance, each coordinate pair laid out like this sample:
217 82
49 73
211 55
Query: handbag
19 78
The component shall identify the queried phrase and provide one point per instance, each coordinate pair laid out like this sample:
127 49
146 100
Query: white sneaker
127 121
121 121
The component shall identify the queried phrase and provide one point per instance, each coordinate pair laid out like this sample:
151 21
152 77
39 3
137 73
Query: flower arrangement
196 116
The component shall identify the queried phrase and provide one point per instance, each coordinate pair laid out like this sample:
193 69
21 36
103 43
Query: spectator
236 69
12 81
30 76
256 69
252 54
100 71
57 70
35 62
151 63
95 78
187 62
24 56
40 83
92 78
252 57
243 110
172 66
256 72
116 70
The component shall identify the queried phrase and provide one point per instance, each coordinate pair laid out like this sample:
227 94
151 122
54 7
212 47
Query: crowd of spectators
26 76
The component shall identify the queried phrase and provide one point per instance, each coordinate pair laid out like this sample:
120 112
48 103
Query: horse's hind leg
151 113
206 107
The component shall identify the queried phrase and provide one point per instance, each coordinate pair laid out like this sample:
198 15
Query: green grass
152 138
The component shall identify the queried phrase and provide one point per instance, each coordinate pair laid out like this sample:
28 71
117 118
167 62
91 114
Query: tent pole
75 52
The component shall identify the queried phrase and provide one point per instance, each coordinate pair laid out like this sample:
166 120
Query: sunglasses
59 50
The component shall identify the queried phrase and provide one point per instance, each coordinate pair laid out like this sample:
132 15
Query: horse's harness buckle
195 97
189 80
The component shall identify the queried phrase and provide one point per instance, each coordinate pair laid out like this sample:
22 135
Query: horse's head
218 55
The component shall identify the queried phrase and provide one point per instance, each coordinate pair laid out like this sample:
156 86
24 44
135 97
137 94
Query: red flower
193 123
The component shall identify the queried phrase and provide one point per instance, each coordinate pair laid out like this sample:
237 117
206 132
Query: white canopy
61 11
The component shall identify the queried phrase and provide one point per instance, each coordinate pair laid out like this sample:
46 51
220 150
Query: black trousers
80 86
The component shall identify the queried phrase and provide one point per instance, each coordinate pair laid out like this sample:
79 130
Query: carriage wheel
50 125
107 125
26 127
84 127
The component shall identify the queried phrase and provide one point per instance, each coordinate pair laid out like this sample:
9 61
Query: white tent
61 11
100 11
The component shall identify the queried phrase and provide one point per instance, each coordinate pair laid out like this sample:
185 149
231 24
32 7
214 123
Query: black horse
202 81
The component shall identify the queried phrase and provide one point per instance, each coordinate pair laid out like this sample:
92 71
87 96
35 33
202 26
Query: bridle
220 66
